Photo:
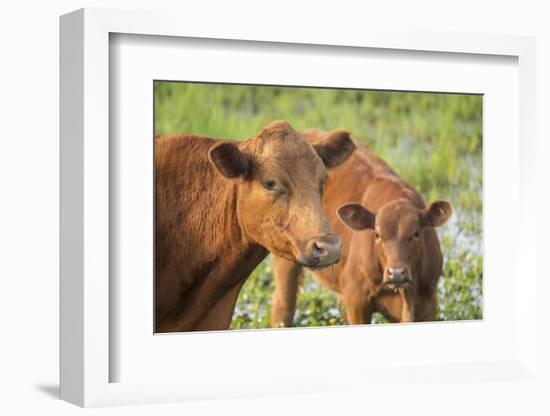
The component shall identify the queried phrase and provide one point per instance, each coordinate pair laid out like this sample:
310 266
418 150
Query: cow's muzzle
322 251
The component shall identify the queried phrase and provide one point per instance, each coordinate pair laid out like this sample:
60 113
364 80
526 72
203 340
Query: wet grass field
433 141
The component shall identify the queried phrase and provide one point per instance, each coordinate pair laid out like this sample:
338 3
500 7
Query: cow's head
280 179
397 232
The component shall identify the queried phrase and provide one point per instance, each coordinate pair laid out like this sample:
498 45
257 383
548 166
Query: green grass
434 141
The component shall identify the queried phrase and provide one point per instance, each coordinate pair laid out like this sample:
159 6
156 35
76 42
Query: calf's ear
436 214
335 148
356 217
229 160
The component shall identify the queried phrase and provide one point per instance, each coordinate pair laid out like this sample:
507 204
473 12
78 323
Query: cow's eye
377 236
269 184
416 234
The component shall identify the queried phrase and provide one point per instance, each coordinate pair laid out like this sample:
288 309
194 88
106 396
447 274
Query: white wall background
29 99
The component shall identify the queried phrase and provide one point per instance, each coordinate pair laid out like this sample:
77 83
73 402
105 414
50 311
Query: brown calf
221 205
391 257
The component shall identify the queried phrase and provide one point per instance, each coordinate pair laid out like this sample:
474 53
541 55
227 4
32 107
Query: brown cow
391 257
221 205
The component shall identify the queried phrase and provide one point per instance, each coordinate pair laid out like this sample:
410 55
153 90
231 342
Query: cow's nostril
320 249
324 250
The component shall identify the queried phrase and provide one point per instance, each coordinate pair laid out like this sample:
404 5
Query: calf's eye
416 234
377 236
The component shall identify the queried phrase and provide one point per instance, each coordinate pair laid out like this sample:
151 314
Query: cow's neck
221 262
225 240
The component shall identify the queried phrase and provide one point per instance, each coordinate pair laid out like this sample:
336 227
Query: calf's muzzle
398 276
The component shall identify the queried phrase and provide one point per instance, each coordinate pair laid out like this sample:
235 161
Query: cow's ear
436 214
229 160
356 217
335 148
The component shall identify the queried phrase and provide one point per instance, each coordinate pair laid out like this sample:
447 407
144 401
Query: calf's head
398 232
280 178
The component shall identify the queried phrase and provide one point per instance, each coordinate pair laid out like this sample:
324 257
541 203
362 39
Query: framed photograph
237 208
333 261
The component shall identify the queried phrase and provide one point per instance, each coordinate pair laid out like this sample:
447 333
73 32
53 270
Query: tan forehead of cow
300 169
291 146
290 155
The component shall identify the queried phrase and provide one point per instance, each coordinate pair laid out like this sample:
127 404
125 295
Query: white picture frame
86 353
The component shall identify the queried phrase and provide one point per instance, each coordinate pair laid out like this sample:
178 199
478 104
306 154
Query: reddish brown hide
391 256
221 205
